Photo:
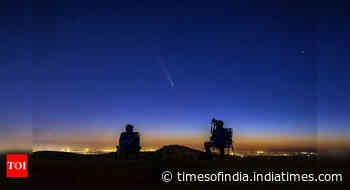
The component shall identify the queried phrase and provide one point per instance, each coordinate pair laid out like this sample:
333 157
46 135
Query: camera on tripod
228 133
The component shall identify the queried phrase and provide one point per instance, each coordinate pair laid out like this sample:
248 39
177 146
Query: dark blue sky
265 68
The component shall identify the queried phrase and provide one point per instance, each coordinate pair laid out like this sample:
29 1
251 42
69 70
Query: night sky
78 72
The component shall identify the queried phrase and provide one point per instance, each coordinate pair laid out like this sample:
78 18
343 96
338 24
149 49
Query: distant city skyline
106 150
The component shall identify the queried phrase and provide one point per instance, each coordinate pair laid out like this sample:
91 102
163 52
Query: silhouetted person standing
129 142
217 139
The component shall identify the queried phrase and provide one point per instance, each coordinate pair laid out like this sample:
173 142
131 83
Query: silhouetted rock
176 152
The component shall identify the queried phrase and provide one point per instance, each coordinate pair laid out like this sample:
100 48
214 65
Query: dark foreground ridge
56 169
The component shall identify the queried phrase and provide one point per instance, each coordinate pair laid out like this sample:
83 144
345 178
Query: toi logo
16 165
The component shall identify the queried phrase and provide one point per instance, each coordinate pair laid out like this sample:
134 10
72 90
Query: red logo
16 165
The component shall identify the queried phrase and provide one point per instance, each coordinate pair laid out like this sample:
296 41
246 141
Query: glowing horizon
272 143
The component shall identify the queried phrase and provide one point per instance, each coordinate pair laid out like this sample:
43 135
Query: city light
106 150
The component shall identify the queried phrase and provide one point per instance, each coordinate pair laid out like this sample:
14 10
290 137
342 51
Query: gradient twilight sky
77 72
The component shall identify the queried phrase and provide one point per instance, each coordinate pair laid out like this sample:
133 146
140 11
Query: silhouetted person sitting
129 142
217 140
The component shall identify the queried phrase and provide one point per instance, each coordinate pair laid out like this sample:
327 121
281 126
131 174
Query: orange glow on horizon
152 143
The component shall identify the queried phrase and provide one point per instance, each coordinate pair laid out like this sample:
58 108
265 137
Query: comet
167 73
